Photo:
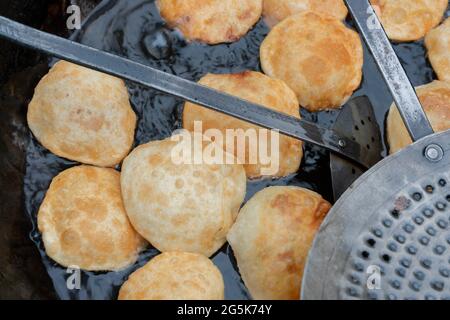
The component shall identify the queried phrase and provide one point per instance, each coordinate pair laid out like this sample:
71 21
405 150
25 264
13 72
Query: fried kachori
435 99
317 56
437 42
272 237
275 11
211 21
181 205
175 276
83 221
406 20
83 115
258 88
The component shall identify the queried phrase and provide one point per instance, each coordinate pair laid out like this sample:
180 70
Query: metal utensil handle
185 89
395 76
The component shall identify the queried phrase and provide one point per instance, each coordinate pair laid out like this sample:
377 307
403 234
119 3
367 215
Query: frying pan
41 166
388 236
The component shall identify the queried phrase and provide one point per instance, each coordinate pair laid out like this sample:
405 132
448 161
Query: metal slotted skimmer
388 237
394 219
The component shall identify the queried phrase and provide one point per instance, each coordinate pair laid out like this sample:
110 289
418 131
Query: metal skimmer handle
185 89
395 76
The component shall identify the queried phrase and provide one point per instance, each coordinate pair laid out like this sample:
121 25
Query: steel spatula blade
357 123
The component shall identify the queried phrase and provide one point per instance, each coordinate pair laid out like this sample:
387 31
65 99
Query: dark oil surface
134 29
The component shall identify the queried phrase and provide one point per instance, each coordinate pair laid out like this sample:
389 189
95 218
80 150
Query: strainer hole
395 213
371 243
437 285
440 206
431 231
387 223
412 250
365 255
442 224
406 263
382 270
386 258
391 296
362 122
439 250
442 182
355 280
359 267
417 196
396 284
429 189
424 241
428 213
352 292
426 263
409 228
444 272
400 239
372 296
377 233
414 285
419 275
356 128
400 272
392 247
419 220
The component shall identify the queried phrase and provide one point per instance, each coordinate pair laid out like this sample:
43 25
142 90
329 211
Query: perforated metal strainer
388 237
